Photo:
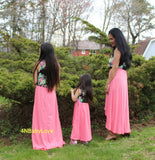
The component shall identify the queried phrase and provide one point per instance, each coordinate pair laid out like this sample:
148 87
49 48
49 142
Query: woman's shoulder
117 52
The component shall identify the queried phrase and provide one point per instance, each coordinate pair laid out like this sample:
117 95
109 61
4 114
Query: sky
96 17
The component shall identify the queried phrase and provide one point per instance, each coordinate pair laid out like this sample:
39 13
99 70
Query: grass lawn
140 146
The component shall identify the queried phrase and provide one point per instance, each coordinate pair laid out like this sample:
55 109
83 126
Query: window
92 52
83 51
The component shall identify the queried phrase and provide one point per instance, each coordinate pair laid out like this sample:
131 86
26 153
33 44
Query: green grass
140 146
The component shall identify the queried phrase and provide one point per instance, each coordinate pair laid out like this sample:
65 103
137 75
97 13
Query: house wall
150 50
83 53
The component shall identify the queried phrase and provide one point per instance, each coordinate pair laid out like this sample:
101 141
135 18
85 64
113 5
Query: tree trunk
64 38
128 34
133 40
43 24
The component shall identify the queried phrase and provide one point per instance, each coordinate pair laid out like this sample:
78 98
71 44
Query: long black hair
85 84
122 46
52 66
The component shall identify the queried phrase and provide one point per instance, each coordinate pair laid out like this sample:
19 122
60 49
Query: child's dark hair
85 84
52 65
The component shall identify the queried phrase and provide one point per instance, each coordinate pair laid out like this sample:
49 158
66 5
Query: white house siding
150 50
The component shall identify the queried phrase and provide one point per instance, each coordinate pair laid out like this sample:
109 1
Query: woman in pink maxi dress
116 89
46 127
81 118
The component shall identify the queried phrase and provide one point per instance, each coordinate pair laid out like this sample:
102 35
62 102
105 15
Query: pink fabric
81 122
116 104
46 120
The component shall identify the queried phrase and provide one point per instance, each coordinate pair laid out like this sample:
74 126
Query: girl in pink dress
116 89
81 118
46 128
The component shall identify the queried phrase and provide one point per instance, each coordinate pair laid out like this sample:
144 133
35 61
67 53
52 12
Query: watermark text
29 130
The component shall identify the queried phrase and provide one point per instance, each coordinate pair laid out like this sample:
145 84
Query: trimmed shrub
142 88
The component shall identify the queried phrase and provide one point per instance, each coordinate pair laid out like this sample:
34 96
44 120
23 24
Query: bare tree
52 20
39 19
109 8
136 16
68 10
79 9
13 15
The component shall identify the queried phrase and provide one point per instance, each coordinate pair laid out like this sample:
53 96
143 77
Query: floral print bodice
42 80
81 97
111 61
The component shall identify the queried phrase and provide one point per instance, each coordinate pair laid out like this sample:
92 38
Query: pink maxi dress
81 124
46 127
117 104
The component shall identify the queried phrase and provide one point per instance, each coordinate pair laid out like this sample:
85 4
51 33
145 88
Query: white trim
148 46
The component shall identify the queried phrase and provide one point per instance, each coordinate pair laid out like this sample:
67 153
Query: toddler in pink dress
81 117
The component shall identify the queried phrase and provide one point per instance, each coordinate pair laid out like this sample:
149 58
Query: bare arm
114 69
75 96
35 79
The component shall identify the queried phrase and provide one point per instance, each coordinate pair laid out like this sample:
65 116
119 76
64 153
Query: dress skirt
117 105
81 122
46 127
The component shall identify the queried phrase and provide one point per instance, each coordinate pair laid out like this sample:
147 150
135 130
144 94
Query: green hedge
142 88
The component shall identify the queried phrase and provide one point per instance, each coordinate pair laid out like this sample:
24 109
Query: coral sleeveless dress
46 128
81 120
116 104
